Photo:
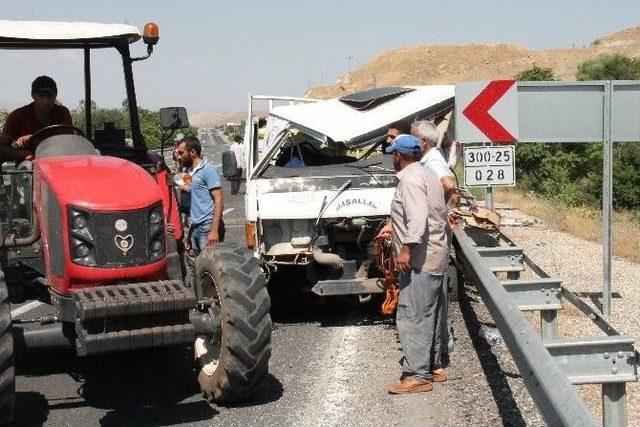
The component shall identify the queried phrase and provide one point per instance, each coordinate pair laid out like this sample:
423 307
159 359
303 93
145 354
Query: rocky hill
433 64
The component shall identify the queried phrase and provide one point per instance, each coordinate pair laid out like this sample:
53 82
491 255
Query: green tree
149 122
536 74
609 67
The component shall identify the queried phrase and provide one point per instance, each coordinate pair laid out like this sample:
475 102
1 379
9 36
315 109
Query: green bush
536 74
609 67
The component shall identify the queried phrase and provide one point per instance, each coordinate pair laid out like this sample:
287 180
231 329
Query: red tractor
91 227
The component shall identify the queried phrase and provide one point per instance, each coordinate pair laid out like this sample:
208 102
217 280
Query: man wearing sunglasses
24 121
206 208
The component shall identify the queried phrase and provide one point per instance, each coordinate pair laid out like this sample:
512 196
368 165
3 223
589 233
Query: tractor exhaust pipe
50 337
56 336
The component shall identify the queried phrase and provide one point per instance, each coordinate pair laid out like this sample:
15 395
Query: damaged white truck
319 187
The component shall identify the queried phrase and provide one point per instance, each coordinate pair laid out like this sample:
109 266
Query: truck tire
7 372
236 361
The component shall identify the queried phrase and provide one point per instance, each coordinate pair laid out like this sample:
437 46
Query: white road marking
24 308
331 403
218 165
226 211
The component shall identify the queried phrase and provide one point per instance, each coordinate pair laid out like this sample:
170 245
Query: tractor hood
98 183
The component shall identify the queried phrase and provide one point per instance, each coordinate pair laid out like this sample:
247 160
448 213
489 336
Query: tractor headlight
82 250
79 222
156 234
81 239
155 217
157 246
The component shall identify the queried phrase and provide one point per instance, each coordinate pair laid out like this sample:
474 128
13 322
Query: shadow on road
496 377
326 311
149 387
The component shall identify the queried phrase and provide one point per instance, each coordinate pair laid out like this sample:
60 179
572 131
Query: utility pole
349 59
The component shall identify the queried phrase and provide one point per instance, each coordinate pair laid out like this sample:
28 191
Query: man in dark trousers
417 231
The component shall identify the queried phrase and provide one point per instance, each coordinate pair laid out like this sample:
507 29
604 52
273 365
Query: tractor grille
132 316
108 253
117 239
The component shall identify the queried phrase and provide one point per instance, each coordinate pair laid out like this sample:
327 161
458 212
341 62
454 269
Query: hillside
433 64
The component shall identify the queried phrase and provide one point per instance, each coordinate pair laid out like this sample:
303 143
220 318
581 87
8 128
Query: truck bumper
348 287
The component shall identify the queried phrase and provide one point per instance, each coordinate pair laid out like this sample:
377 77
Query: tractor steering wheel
40 134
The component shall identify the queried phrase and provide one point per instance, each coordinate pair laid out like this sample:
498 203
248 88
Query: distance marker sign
489 166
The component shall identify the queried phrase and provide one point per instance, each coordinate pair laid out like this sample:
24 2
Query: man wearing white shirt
433 160
427 132
238 151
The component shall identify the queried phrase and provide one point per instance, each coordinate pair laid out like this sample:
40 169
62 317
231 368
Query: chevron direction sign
487 111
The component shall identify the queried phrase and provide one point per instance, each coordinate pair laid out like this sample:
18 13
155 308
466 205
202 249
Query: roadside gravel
579 264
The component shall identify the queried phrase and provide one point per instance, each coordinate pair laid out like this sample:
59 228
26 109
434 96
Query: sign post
549 112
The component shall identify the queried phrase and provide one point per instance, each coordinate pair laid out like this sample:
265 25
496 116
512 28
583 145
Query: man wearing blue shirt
205 214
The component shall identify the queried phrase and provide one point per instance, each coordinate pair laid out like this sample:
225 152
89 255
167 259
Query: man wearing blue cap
417 230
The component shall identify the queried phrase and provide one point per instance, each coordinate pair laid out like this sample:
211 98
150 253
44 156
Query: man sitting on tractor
24 121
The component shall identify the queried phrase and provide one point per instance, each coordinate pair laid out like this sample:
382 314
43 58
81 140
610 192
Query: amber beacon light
151 34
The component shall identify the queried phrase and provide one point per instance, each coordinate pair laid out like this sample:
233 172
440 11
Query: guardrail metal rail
510 283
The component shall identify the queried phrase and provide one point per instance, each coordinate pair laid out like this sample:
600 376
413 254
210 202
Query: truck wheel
235 361
7 373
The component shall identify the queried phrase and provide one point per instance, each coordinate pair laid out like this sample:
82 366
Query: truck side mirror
172 118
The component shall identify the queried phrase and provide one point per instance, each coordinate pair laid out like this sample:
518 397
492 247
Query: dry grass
446 64
583 222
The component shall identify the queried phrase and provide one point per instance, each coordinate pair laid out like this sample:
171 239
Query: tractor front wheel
7 373
235 361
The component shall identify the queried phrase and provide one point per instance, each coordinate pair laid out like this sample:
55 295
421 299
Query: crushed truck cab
319 186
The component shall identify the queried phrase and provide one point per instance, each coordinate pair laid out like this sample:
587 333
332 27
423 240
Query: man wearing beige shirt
417 230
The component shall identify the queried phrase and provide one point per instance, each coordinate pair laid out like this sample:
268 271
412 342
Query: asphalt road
330 365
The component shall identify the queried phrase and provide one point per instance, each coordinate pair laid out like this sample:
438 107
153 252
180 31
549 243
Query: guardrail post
614 405
549 324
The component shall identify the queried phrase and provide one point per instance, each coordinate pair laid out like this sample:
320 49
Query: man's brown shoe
410 385
439 376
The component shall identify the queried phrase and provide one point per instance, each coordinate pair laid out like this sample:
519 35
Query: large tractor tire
7 372
235 361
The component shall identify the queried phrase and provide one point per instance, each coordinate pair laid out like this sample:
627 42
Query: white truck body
317 187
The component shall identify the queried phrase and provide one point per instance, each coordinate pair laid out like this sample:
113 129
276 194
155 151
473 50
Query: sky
212 52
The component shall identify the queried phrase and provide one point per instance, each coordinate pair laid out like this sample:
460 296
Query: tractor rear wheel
7 372
235 361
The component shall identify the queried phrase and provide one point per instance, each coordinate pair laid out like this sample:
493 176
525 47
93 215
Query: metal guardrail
549 365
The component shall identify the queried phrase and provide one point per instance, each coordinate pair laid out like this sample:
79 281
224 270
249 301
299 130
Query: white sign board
487 111
489 166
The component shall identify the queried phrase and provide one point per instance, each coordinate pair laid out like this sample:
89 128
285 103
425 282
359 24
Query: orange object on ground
386 265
